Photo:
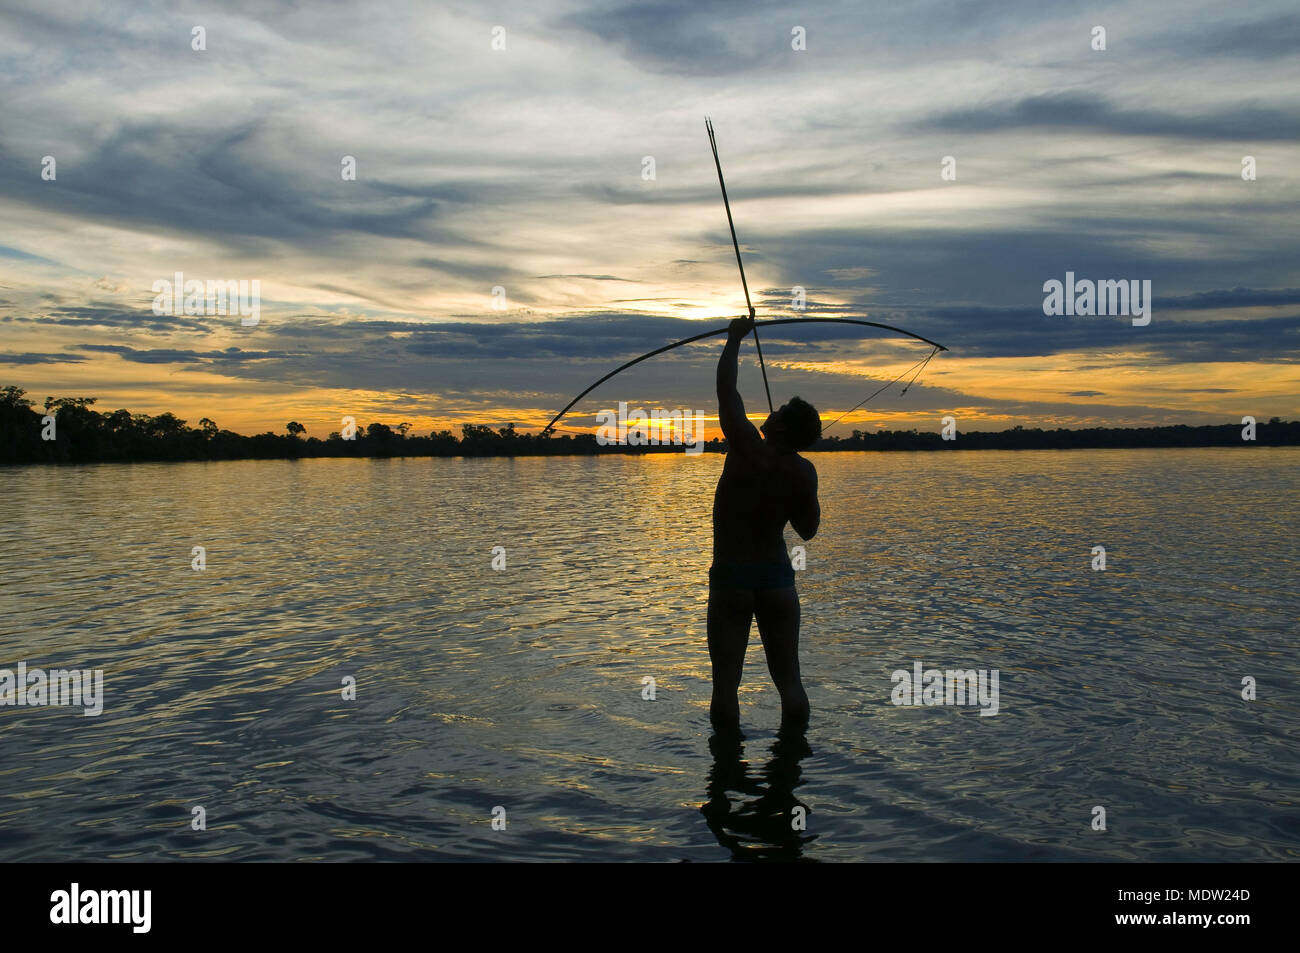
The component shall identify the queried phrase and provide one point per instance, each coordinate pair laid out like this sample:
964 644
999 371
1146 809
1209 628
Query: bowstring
919 365
918 373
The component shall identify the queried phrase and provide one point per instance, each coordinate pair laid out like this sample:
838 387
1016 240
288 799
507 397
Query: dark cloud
229 356
96 316
1231 298
1268 38
592 277
36 358
1012 332
728 38
927 270
1244 123
242 180
680 36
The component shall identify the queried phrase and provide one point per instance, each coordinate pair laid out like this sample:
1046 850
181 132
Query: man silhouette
764 484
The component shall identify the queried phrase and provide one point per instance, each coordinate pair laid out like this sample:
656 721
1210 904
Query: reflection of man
764 484
752 816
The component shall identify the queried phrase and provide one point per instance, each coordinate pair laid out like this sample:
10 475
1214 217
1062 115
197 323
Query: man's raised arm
740 433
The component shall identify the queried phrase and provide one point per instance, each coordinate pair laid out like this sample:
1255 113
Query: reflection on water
767 822
522 688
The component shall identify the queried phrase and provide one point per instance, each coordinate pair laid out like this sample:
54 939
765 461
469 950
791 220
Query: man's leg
777 611
729 616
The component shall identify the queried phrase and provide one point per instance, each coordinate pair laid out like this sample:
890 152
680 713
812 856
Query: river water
521 693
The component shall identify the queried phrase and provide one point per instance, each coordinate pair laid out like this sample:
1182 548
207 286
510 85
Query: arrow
708 124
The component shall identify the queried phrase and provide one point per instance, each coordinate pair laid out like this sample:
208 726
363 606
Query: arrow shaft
713 143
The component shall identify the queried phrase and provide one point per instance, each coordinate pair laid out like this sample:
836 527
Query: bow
550 428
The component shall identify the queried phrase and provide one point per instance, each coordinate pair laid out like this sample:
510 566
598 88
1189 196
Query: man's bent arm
807 516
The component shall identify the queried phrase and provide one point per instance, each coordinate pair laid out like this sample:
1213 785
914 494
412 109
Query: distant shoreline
6 463
70 431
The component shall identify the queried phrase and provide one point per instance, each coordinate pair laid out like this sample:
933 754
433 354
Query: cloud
521 168
675 35
590 277
122 319
1267 38
230 356
11 358
1093 113
1231 298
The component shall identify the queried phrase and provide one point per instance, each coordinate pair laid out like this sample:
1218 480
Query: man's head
795 425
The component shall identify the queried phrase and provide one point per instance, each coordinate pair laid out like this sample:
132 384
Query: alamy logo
934 686
193 297
103 906
58 687
1086 298
658 428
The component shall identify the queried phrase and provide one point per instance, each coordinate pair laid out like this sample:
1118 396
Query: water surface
522 688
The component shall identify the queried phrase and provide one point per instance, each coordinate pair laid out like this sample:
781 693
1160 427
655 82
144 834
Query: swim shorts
774 574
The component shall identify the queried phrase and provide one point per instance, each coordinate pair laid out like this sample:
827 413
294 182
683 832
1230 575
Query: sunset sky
523 167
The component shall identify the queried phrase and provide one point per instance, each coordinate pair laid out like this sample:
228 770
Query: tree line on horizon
85 435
